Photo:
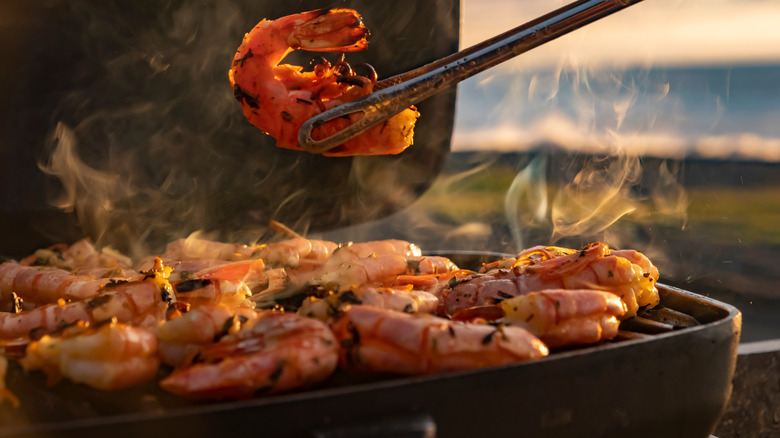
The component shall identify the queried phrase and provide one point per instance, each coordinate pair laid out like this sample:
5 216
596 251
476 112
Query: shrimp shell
380 340
112 356
274 353
562 317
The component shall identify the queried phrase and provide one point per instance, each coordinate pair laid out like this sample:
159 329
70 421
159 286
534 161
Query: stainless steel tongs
394 94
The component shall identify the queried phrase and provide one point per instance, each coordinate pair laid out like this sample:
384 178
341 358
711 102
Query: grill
668 374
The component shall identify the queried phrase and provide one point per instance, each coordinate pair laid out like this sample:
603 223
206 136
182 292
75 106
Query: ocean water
719 112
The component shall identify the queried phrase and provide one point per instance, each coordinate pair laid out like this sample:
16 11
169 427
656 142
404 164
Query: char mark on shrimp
242 95
190 285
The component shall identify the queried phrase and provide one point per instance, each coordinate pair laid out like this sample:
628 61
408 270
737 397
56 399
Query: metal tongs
396 93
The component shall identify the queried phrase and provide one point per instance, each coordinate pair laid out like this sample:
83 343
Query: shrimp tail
330 30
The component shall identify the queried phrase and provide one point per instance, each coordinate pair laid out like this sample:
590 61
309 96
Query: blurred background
656 128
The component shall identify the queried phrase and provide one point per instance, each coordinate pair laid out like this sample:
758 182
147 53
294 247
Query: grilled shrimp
626 273
275 352
295 253
81 257
297 261
593 267
230 283
380 340
109 356
181 339
278 98
142 303
196 248
562 317
39 285
366 271
357 264
430 265
404 299
354 251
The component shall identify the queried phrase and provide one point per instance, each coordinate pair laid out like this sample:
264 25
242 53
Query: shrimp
596 266
532 254
295 253
592 267
5 393
196 248
109 356
430 265
142 303
354 251
356 264
404 299
228 283
81 257
559 317
181 339
277 99
39 285
370 270
380 340
276 352
297 260
246 271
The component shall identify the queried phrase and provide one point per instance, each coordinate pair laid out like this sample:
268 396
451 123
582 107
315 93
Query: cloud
669 32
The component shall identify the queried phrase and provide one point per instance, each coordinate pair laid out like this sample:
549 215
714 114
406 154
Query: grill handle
405 426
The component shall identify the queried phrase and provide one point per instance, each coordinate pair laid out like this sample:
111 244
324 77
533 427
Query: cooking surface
547 394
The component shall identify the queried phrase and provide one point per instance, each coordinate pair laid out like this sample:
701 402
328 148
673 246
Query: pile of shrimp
278 98
215 320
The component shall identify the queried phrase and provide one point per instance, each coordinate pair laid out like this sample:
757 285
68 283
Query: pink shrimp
592 267
181 339
39 285
295 253
561 317
367 271
81 257
249 272
354 251
430 265
196 248
357 264
297 260
380 340
276 352
403 299
279 98
108 357
143 303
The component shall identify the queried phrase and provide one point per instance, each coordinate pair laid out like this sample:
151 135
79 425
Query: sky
650 32
599 87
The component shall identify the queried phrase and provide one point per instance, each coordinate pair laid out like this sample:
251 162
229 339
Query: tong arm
399 92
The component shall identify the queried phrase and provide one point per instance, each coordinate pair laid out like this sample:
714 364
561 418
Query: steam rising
149 144
586 172
596 198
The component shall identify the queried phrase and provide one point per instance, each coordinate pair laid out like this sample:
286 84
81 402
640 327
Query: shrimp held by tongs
399 92
278 98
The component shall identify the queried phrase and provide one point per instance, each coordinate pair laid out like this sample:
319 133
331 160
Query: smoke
149 143
591 173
